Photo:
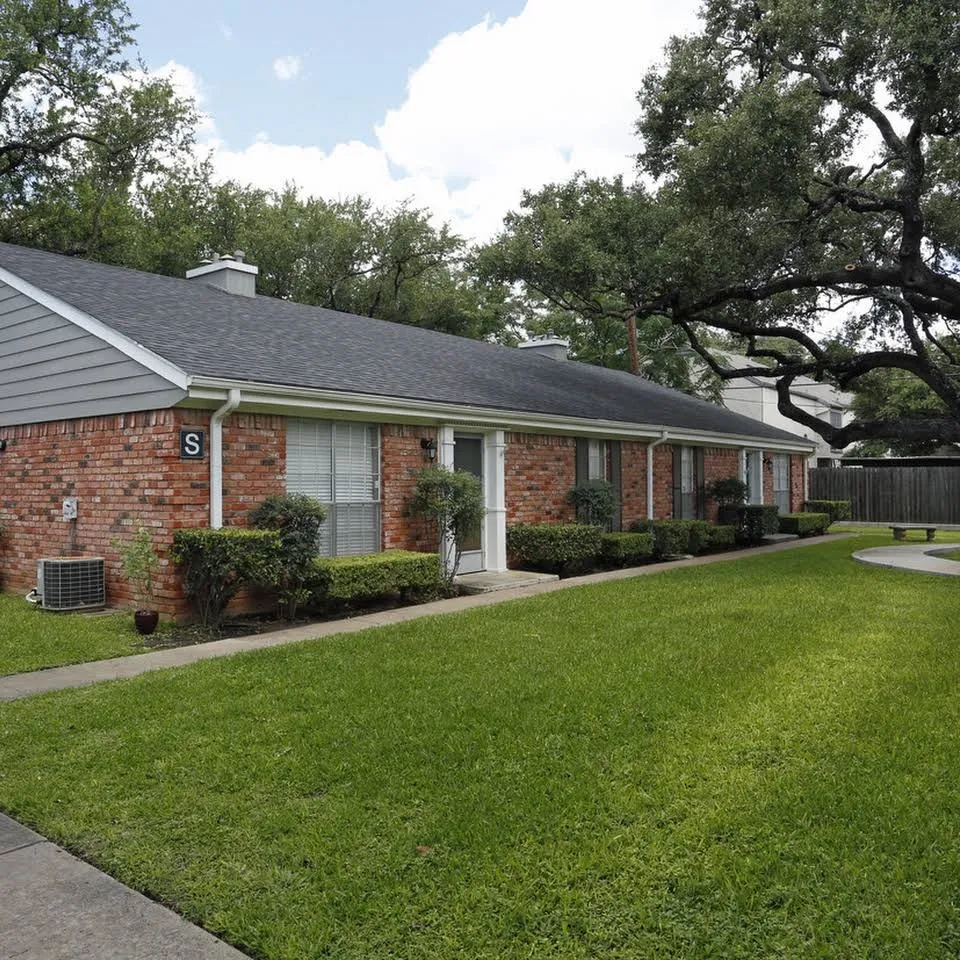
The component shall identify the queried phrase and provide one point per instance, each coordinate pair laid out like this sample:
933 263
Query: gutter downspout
665 435
216 457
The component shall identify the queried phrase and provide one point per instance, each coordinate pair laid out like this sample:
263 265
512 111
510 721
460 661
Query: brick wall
718 464
768 477
633 481
539 470
124 470
402 458
798 469
663 482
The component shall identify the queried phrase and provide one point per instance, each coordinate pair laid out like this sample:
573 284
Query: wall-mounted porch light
429 447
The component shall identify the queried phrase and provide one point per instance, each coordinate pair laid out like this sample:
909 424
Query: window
598 462
339 464
688 493
753 476
781 482
836 417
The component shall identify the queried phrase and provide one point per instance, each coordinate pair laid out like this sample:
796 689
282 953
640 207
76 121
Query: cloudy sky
459 104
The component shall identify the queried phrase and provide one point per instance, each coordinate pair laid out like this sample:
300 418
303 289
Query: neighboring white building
757 398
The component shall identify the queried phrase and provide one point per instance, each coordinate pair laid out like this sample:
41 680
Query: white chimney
228 273
548 345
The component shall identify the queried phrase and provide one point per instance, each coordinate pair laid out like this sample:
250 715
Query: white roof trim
217 265
130 348
276 398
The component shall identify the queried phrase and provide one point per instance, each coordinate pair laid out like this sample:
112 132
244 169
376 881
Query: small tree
453 502
296 518
595 503
140 564
729 493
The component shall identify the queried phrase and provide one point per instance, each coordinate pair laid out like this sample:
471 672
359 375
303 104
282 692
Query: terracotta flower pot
146 621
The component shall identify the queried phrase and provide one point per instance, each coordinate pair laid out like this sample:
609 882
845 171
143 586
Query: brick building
173 403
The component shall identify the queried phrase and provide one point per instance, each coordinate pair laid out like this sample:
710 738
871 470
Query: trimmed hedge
640 526
554 547
835 509
804 524
671 538
626 549
371 575
722 537
218 563
757 521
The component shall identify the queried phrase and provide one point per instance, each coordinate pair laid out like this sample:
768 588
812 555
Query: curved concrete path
918 557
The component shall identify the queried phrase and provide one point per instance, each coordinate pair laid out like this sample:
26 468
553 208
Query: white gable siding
51 369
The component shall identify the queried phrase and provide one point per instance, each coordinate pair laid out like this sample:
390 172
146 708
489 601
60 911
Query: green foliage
694 765
595 502
895 395
562 548
581 251
218 563
728 492
722 537
140 564
366 577
804 524
835 509
814 143
452 500
640 526
671 538
296 518
757 521
626 549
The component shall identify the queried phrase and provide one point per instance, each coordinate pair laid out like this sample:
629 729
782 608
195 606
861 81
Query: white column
445 447
494 494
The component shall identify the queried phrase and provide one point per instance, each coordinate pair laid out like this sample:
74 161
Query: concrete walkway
918 557
84 674
56 907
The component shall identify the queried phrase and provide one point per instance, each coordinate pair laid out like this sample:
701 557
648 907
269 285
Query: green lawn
32 639
758 758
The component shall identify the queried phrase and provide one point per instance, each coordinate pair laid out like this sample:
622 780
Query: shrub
371 575
140 564
217 563
835 509
453 502
722 537
671 538
757 521
729 493
626 549
595 503
554 547
640 526
700 533
804 524
296 518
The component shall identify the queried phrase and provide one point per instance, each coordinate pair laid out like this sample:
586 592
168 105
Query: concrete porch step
780 537
483 582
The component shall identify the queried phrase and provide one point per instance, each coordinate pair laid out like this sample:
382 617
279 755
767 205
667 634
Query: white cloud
494 109
286 68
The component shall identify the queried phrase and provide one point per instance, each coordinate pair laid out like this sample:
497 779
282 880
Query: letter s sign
191 444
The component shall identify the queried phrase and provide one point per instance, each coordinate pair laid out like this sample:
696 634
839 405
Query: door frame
493 530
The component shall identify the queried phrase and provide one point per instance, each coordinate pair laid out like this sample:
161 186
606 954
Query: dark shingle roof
210 333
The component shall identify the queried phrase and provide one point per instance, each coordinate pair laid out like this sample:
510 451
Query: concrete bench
900 530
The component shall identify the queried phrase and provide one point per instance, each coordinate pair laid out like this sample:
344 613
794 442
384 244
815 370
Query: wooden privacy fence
892 494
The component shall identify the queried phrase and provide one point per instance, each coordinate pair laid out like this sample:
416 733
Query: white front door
468 455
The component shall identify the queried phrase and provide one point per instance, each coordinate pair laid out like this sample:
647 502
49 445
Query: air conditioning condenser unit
71 583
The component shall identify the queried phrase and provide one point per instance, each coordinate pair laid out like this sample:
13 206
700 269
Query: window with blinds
597 461
338 464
